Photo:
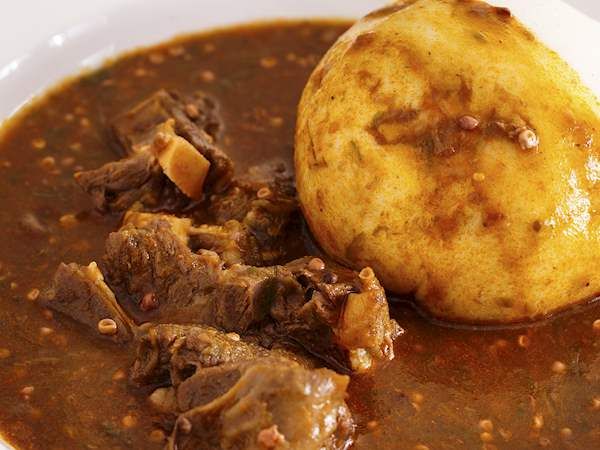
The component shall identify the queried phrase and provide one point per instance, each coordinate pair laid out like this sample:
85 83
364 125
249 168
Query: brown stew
61 388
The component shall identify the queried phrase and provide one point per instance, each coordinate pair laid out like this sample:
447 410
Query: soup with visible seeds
202 323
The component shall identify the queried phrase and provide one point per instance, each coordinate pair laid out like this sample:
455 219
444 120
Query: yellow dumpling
443 145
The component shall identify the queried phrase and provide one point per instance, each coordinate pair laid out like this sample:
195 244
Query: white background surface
41 41
591 7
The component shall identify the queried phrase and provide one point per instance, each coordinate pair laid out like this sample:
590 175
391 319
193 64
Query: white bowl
44 41
65 36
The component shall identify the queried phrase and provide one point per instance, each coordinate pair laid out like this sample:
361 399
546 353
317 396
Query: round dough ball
441 144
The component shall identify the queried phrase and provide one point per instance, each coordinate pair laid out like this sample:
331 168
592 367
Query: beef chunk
189 287
81 293
156 262
302 303
130 128
267 403
139 177
231 241
118 185
196 120
167 353
179 226
142 262
245 199
256 217
350 309
255 231
227 393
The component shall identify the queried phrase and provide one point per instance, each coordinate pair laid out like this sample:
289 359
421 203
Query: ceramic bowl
64 37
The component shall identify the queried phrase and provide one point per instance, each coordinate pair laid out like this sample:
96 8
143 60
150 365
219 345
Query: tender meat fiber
180 226
303 303
118 185
342 318
138 177
259 217
196 120
167 353
274 403
130 128
81 293
154 261
231 241
234 395
252 224
256 231
245 196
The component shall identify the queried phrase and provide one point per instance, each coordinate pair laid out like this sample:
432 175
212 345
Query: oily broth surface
537 385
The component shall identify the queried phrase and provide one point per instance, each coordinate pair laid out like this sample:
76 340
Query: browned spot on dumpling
436 294
320 200
368 80
482 9
492 218
389 10
362 41
446 226
334 127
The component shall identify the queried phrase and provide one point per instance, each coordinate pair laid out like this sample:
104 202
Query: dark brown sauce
539 385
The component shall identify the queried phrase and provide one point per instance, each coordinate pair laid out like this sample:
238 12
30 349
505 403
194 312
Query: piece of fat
180 161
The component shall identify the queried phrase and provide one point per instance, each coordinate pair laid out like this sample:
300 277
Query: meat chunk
302 303
130 127
140 175
252 224
154 261
180 161
259 217
230 241
365 325
246 201
166 353
341 317
227 393
196 120
118 185
180 226
188 287
81 293
269 403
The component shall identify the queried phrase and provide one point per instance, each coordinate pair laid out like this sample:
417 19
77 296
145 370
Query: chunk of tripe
179 160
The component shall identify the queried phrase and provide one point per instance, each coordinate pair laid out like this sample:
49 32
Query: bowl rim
70 39
62 47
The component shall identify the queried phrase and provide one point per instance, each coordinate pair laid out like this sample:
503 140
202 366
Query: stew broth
523 387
